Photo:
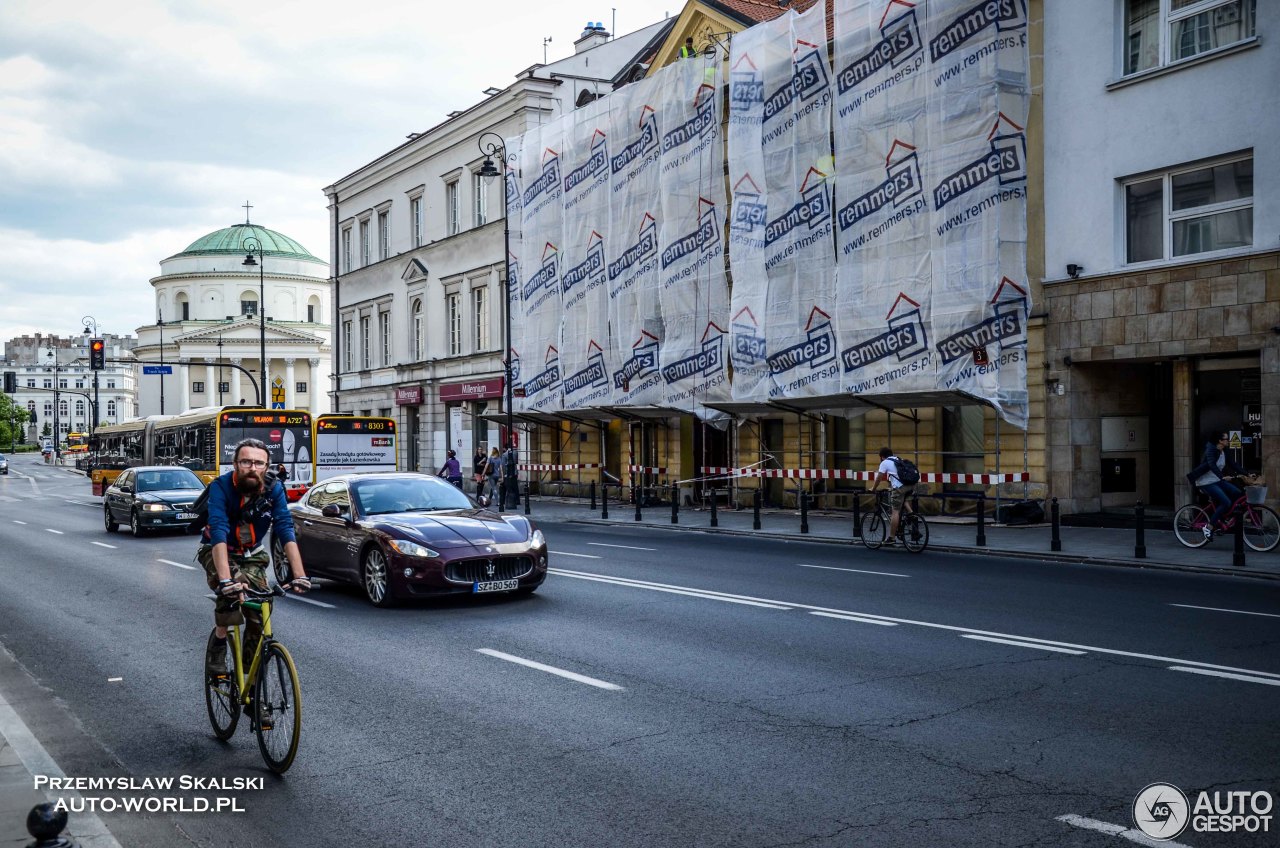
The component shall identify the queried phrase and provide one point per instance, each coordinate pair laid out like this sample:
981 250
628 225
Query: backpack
908 474
201 510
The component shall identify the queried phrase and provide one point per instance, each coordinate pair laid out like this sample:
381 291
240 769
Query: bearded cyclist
244 504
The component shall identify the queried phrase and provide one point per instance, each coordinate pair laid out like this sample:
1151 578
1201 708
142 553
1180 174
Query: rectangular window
31 383
311 313
451 201
481 199
480 315
111 384
384 330
346 249
346 345
224 387
364 243
453 314
186 311
197 387
248 307
415 220
1161 32
48 384
366 343
79 383
300 388
384 235
1202 209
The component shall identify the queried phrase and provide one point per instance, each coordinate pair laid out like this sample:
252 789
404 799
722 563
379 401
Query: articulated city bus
77 443
346 443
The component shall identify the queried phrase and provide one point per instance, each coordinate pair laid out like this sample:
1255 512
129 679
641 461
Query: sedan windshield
161 481
408 494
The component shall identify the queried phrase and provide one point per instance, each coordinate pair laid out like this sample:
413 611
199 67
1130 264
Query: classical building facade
208 326
32 359
1162 267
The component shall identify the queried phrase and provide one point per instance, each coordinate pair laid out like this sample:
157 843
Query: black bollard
1237 554
638 494
593 495
1055 542
715 519
527 505
1140 543
45 823
604 501
675 504
755 509
857 515
804 512
982 520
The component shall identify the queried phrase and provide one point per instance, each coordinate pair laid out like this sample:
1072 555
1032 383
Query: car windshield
408 494
160 481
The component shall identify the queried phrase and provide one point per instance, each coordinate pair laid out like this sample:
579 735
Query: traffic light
97 354
10 382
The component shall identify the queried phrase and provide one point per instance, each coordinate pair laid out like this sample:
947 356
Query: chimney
593 36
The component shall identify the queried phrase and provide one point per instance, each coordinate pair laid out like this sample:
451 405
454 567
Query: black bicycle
913 530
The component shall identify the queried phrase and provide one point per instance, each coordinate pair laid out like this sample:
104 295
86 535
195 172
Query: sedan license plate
495 586
186 516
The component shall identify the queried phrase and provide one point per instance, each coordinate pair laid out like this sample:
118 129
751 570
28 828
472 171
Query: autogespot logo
1161 811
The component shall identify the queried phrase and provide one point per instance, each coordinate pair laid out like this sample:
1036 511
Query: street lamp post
160 324
93 423
57 453
491 144
251 245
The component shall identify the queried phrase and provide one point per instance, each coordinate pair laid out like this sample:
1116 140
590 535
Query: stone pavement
1085 545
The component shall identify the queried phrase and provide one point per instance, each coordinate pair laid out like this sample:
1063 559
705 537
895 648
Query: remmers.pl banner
542 215
515 245
692 286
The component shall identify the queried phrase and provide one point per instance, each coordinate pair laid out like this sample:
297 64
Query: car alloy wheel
373 576
107 521
135 524
280 562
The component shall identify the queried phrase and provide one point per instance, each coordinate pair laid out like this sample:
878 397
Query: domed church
214 314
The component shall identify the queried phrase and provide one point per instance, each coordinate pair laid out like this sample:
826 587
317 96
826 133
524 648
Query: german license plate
495 586
186 516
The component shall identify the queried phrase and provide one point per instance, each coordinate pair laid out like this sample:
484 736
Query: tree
12 417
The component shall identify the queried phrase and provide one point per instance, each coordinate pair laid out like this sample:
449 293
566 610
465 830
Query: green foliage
12 419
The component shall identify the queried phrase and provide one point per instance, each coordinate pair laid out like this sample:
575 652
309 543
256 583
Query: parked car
409 535
151 497
4 465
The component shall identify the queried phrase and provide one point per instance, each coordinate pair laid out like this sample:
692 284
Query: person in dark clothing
451 470
478 463
1209 476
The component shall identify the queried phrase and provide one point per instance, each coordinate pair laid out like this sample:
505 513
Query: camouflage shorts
898 496
246 569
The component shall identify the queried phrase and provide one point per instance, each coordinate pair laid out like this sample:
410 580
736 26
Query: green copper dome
231 242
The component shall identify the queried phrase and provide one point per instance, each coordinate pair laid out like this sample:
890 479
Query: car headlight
156 507
537 540
411 548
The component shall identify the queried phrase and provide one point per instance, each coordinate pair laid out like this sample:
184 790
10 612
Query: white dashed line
114 679
16 521
1219 609
550 669
627 547
1115 830
1024 644
56 532
103 545
856 618
177 564
294 597
581 556
855 570
1245 677
706 595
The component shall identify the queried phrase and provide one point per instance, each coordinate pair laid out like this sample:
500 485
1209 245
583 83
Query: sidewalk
1084 545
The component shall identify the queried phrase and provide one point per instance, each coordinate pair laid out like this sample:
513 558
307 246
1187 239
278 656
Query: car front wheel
110 523
373 577
135 524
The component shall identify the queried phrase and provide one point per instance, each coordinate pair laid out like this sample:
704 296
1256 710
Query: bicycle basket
1255 495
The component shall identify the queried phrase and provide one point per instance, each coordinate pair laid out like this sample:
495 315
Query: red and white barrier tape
844 474
645 469
570 467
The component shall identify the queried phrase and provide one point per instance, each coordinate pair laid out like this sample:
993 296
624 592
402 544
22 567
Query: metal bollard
755 509
804 512
638 495
982 520
45 823
857 515
527 487
715 519
675 504
604 501
1055 541
593 495
1140 543
1237 554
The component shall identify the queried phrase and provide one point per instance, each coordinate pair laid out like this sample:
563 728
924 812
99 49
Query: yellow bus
346 443
77 443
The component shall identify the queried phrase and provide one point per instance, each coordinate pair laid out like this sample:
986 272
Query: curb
1046 556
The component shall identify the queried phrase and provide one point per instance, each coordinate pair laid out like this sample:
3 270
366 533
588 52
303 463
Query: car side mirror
331 511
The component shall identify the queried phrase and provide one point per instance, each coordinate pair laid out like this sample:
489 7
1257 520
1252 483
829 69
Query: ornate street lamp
87 321
491 145
251 245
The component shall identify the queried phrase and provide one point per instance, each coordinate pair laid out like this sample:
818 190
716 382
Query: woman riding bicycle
1210 478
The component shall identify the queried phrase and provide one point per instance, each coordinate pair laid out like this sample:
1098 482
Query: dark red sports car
408 535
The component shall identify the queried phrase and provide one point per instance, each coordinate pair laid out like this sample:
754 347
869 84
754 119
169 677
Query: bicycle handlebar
253 595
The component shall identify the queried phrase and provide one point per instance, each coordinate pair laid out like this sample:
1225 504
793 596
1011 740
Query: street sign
157 369
277 404
1235 439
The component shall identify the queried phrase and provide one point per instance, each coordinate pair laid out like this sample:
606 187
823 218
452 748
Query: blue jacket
224 512
1209 462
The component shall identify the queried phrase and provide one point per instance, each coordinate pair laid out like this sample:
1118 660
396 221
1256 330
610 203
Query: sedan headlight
411 548
156 507
537 540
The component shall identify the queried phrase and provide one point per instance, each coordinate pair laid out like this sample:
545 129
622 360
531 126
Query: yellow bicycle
269 691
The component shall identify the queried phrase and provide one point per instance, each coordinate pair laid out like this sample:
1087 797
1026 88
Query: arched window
79 409
111 408
418 351
248 302
182 307
62 408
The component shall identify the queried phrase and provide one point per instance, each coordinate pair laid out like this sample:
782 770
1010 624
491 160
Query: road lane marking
1219 609
58 532
16 521
627 547
80 503
855 570
1021 644
550 669
293 596
1115 830
1248 678
673 590
103 545
177 564
114 679
857 618
582 556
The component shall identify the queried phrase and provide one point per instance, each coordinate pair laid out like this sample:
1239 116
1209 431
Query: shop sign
408 395
471 390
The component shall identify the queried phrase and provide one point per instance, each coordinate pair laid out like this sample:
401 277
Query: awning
649 413
839 402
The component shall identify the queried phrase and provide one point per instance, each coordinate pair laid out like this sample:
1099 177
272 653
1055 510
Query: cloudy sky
130 129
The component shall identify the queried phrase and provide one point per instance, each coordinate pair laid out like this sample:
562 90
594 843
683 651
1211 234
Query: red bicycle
1194 527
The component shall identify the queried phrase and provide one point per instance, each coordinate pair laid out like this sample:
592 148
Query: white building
208 303
418 248
73 408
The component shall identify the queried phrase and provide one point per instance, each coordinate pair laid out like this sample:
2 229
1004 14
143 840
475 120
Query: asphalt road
728 692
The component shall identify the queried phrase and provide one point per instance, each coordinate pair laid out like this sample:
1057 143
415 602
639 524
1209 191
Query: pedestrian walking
478 463
510 479
451 470
493 472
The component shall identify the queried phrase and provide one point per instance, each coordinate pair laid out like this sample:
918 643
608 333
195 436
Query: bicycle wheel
915 533
278 708
222 698
1189 524
874 530
1261 528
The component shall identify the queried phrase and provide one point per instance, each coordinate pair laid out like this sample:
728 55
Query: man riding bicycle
1210 477
898 491
244 504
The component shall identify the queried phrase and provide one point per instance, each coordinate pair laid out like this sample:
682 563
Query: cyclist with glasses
244 505
1210 476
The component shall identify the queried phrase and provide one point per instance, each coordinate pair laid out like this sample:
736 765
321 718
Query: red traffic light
97 354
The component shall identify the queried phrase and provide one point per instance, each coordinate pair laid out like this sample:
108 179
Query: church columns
184 388
210 387
315 391
235 381
288 383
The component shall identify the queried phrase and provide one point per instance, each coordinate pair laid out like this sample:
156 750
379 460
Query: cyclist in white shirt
898 493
